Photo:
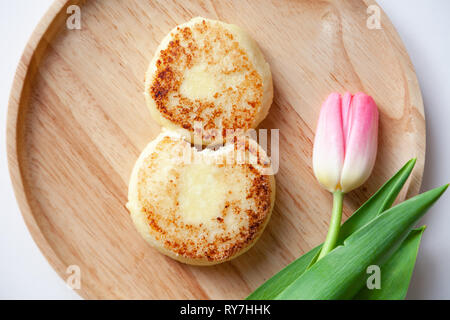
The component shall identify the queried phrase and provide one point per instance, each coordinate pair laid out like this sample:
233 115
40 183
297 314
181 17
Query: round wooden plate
77 122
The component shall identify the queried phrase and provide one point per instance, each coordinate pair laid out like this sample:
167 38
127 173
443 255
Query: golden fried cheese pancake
201 207
212 73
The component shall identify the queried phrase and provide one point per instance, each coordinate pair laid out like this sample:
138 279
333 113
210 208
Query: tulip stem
335 225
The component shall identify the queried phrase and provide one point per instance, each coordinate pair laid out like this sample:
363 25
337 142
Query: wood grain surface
77 121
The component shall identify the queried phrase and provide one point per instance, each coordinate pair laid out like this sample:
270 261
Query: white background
424 27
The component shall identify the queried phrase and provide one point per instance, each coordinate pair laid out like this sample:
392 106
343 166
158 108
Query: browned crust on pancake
182 53
225 244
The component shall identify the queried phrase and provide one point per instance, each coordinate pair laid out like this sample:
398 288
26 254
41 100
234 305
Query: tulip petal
361 144
346 114
328 152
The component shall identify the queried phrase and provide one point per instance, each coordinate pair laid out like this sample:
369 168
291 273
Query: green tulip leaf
378 203
341 273
396 273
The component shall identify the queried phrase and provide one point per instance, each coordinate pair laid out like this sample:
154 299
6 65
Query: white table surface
424 27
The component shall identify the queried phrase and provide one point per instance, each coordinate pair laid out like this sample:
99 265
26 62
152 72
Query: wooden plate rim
22 75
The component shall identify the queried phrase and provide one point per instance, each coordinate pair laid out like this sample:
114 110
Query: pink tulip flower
345 145
345 148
